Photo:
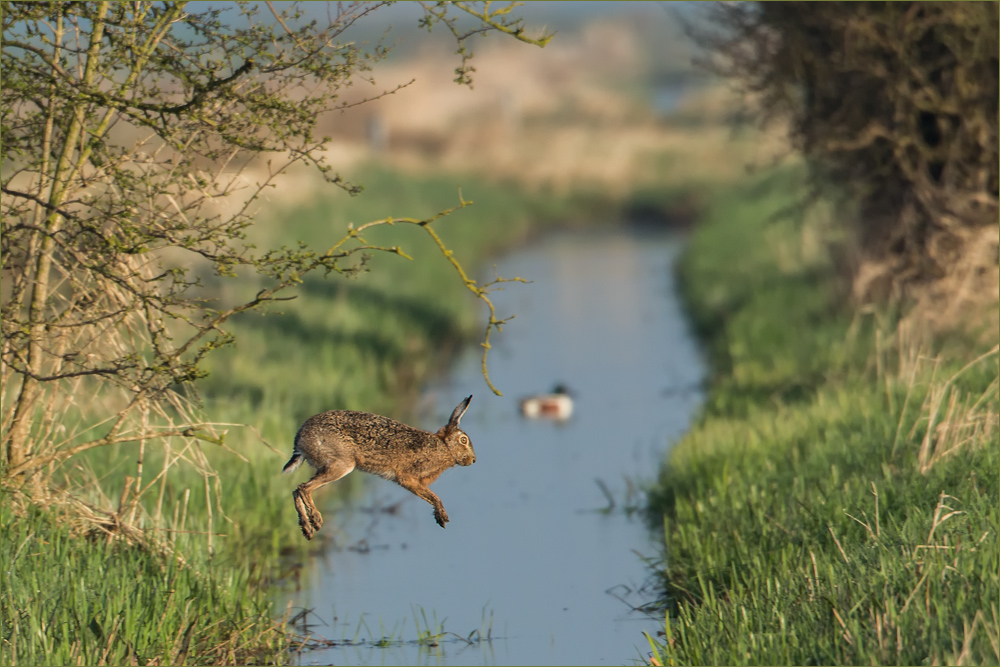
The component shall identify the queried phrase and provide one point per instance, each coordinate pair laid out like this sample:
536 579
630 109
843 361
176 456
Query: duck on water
557 405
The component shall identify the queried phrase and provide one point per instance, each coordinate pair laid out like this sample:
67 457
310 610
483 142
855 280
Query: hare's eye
464 440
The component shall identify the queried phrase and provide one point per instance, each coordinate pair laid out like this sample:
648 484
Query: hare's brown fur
337 442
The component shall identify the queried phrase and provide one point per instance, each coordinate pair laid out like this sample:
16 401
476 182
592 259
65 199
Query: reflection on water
529 556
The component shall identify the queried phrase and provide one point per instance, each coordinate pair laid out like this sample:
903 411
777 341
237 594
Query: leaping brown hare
337 442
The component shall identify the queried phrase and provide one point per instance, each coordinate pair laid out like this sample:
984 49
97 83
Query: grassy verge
71 595
70 600
837 502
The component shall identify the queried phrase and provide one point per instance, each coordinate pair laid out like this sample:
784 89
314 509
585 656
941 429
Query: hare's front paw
304 523
306 526
310 520
441 517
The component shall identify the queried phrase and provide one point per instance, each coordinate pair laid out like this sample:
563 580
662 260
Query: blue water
528 556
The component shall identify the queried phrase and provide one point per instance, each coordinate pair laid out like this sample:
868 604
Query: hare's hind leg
310 520
419 487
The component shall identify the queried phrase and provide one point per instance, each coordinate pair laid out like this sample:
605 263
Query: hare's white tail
294 462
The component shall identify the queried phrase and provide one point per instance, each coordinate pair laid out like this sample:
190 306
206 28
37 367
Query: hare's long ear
456 416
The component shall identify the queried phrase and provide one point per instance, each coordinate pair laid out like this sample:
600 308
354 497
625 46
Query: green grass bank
837 500
71 595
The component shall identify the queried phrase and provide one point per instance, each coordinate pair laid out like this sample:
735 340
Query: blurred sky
657 26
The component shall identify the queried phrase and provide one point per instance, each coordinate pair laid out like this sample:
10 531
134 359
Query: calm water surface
528 549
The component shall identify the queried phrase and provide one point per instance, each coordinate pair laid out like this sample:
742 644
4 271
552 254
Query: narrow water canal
529 556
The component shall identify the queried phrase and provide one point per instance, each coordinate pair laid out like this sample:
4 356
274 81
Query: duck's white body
557 406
